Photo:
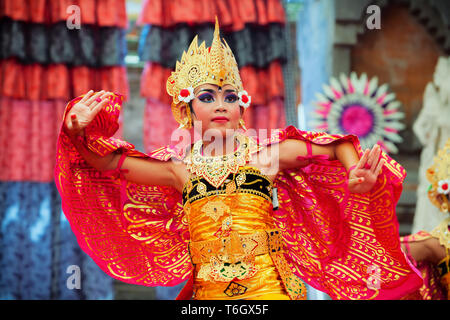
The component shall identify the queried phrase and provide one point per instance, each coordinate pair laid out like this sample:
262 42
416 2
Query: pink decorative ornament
358 106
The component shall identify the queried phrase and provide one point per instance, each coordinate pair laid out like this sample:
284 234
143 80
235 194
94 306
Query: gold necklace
442 233
216 169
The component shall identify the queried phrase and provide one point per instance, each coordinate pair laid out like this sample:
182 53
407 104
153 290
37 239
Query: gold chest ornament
216 169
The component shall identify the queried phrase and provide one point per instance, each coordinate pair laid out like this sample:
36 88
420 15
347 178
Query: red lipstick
220 119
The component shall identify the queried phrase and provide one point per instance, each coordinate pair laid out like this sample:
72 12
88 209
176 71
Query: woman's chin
220 131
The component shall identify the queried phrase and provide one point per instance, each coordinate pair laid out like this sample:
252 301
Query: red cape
344 244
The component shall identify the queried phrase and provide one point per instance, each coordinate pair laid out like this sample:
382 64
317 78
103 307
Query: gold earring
242 124
185 123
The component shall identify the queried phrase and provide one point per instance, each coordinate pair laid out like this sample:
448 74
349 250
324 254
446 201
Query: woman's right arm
429 250
142 171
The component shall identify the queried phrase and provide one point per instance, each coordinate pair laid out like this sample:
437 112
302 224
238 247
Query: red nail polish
73 116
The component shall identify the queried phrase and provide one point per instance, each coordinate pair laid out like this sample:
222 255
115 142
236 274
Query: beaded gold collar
442 233
216 169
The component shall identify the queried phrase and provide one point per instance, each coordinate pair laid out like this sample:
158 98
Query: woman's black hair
191 109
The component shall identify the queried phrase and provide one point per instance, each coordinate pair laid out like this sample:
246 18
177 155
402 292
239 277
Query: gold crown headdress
439 176
200 65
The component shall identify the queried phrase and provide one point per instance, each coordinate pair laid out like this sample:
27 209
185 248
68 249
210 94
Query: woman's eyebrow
213 91
207 90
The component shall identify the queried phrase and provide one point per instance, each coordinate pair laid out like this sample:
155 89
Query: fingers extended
99 100
363 160
371 159
106 94
91 101
379 166
376 158
87 96
99 106
355 181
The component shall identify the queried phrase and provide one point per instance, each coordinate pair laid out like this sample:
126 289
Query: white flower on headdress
186 95
244 99
444 186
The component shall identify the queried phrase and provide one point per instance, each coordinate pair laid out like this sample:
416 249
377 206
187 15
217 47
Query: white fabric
432 128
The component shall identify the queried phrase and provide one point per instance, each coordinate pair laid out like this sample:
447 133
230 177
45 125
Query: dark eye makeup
208 97
231 98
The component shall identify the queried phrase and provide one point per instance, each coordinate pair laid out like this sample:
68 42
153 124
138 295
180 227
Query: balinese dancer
430 252
238 215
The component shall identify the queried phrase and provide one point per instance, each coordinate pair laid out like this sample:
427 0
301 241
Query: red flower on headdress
186 95
244 99
443 186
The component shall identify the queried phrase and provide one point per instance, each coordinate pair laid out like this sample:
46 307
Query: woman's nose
220 107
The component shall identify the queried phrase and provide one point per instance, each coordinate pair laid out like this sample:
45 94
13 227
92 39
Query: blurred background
378 69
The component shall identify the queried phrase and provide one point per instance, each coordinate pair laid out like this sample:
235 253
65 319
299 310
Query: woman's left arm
363 172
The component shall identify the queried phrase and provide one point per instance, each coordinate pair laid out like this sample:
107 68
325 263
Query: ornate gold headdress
200 65
439 176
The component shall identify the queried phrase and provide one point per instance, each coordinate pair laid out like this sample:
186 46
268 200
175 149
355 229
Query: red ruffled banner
262 92
28 136
28 133
38 82
232 14
159 124
104 13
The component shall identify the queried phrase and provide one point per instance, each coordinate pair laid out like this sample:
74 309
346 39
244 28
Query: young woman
241 217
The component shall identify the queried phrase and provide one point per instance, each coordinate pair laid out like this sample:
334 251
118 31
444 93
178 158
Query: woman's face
217 108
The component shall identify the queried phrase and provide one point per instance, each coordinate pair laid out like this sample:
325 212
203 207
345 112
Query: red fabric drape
105 13
33 96
28 133
234 14
57 81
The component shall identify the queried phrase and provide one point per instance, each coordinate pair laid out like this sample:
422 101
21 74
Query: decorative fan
358 106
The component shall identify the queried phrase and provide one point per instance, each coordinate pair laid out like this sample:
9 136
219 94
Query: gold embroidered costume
235 246
223 228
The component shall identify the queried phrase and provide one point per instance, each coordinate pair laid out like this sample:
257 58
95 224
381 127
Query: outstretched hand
362 178
84 111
